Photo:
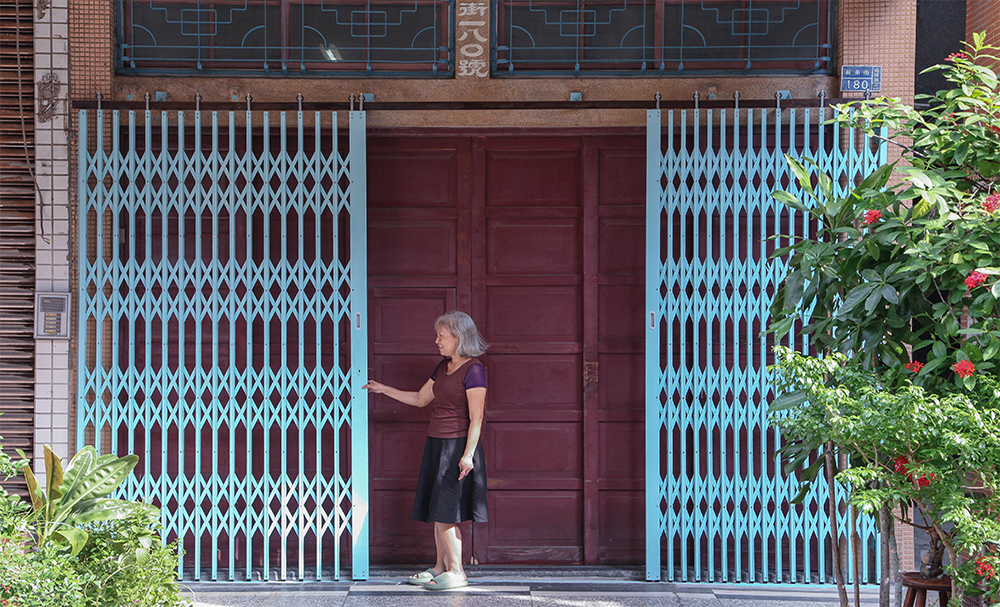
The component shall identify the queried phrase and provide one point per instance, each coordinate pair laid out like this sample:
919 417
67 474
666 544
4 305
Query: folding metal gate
223 332
716 499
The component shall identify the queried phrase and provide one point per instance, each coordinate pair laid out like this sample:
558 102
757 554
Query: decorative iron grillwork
716 498
223 333
661 37
360 37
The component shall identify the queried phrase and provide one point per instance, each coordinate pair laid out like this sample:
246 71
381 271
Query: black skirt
441 497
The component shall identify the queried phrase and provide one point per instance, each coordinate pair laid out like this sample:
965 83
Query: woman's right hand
374 386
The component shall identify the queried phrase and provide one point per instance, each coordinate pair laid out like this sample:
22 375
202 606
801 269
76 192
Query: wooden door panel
621 166
401 539
621 455
541 238
406 316
408 247
418 269
534 314
534 246
526 174
533 527
620 335
535 455
413 172
622 526
539 384
395 454
622 309
622 384
622 245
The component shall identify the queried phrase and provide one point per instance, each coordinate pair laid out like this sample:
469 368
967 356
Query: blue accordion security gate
716 499
223 332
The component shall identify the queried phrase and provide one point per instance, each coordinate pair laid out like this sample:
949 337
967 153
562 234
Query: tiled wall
52 237
983 16
884 33
92 33
881 33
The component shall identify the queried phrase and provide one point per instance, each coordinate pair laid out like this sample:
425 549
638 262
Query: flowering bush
921 278
907 445
898 291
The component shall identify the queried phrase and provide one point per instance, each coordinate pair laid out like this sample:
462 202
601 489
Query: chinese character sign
473 50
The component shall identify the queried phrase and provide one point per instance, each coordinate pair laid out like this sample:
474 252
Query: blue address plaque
861 78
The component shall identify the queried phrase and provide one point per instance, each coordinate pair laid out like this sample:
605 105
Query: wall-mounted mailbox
51 315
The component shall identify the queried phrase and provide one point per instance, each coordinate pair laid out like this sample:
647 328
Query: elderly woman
452 484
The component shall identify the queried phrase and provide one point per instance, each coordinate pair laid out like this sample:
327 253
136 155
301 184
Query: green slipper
446 581
419 579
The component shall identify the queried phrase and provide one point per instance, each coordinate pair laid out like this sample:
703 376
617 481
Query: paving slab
498 589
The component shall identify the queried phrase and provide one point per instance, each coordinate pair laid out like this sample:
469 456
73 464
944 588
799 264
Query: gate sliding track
223 332
717 502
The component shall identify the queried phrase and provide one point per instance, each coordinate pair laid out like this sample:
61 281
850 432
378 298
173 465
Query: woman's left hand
464 466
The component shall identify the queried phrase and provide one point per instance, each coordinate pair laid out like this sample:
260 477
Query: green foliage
129 565
13 510
42 577
74 547
79 496
907 446
898 290
876 286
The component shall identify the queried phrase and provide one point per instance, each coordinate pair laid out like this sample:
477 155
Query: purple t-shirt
450 418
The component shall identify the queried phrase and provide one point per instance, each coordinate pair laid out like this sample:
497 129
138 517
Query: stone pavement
515 589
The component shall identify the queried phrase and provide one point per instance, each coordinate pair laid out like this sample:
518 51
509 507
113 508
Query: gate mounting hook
657 96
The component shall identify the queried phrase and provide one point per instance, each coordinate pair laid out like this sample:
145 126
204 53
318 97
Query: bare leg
451 539
441 565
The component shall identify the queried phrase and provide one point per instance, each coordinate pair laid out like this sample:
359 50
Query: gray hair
459 324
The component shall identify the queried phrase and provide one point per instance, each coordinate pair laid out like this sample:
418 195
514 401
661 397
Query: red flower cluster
872 215
992 203
995 129
964 368
899 465
975 279
914 366
954 56
984 568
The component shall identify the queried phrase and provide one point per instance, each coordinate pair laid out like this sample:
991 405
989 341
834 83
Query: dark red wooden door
540 238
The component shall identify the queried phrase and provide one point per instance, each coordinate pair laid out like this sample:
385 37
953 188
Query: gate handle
652 320
357 321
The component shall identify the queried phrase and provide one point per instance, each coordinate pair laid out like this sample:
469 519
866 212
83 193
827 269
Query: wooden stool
917 587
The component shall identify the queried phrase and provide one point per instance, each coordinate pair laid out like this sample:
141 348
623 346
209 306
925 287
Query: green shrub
31 577
75 547
126 564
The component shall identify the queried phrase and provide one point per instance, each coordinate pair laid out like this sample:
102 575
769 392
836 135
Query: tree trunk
856 553
838 572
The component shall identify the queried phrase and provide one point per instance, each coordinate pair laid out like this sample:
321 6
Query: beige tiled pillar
53 377
883 32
